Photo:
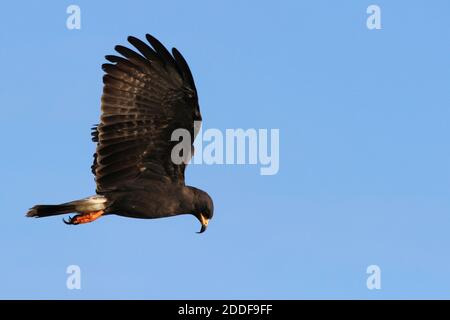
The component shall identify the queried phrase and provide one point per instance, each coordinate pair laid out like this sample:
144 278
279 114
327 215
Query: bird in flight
146 96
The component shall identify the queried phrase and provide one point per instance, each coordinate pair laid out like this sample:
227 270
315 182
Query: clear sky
364 173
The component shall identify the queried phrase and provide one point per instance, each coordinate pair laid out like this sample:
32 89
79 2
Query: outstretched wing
146 96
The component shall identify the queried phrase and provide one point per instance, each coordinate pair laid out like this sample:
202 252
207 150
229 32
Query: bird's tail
90 204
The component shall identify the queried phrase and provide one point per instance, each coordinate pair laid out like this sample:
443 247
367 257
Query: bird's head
204 208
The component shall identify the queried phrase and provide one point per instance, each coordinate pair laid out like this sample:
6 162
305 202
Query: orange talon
86 218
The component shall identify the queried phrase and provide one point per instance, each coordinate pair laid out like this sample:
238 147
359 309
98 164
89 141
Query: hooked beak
204 221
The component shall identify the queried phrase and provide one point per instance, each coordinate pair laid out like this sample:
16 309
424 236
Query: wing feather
146 96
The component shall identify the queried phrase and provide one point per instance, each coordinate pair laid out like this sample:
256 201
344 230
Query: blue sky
364 151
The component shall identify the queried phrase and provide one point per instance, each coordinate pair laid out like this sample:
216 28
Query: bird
148 92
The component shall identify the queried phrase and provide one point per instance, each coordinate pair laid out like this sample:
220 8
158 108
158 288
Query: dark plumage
146 96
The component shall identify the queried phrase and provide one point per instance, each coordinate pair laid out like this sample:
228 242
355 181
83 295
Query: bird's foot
84 218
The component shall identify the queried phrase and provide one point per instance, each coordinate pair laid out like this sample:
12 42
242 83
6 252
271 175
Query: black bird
146 96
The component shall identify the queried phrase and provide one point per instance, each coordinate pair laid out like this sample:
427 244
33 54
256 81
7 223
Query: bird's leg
84 218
